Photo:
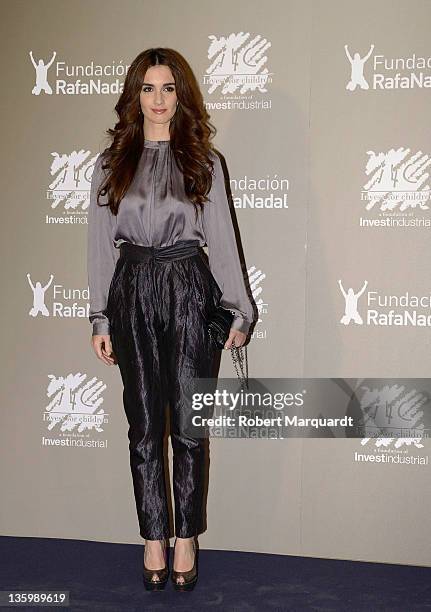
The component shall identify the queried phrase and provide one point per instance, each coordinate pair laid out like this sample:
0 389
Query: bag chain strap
237 353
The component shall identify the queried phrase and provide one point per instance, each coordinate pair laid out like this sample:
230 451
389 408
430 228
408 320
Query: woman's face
158 93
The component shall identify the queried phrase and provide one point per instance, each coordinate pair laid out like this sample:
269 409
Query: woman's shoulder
103 156
215 157
100 163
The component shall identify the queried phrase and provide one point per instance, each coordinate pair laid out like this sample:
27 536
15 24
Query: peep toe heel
155 580
190 577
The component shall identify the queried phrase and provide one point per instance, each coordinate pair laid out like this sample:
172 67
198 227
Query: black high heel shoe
190 577
155 580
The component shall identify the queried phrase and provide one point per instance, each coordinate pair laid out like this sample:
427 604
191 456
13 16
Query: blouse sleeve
223 255
102 254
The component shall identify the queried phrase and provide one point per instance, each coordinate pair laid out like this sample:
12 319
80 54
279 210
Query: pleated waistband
180 250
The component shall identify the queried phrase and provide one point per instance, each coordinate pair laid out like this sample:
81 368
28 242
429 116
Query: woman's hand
103 348
237 336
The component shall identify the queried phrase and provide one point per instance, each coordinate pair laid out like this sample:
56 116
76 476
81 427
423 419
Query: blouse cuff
240 324
101 328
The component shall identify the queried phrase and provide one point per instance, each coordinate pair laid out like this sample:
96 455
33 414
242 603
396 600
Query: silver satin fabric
155 212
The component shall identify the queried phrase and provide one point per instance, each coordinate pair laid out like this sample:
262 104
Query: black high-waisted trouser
157 304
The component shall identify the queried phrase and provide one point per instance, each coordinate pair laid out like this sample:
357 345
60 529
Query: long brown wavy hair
190 131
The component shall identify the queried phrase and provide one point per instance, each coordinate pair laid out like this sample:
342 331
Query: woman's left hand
237 336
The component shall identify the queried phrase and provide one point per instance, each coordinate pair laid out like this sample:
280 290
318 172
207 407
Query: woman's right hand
103 348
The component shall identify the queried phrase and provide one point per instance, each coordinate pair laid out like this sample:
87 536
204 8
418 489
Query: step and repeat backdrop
322 112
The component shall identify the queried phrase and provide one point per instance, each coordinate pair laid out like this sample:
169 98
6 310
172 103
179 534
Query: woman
158 196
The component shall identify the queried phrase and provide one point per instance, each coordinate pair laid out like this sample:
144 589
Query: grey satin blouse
155 212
